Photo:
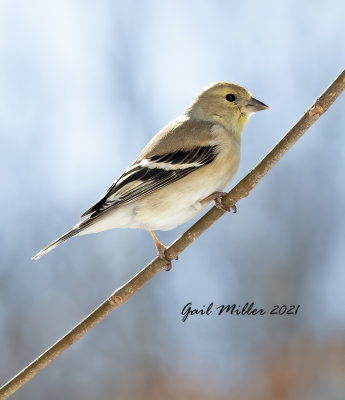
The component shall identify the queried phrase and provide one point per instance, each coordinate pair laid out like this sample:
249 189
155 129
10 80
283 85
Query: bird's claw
161 252
217 197
162 256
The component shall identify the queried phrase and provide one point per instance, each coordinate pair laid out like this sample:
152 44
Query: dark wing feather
142 178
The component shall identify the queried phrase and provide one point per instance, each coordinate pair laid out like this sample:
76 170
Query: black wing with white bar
149 174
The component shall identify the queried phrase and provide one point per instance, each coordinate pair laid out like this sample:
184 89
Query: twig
241 190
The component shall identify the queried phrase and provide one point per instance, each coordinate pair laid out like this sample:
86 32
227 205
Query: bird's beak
254 105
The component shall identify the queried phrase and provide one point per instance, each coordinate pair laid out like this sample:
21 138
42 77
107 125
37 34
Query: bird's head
225 103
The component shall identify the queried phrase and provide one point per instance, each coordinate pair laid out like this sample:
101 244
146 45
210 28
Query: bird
184 168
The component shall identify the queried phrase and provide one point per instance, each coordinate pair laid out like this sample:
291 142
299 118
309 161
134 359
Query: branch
126 291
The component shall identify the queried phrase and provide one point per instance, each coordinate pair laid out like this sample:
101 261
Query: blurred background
83 86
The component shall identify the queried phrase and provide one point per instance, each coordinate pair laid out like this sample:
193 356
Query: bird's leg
161 251
217 197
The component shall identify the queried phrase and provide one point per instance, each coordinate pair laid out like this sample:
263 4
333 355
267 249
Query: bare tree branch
126 291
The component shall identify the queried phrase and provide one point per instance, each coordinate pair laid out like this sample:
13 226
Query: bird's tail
73 232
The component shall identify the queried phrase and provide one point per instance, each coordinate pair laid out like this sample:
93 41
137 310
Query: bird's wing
150 174
152 171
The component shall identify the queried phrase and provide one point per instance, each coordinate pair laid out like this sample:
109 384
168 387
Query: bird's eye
230 97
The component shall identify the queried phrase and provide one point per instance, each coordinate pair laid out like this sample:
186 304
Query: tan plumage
195 155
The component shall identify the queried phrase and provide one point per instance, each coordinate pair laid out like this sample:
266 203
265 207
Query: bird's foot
217 197
161 252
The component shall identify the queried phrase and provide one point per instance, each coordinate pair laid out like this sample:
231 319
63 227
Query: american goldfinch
186 166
